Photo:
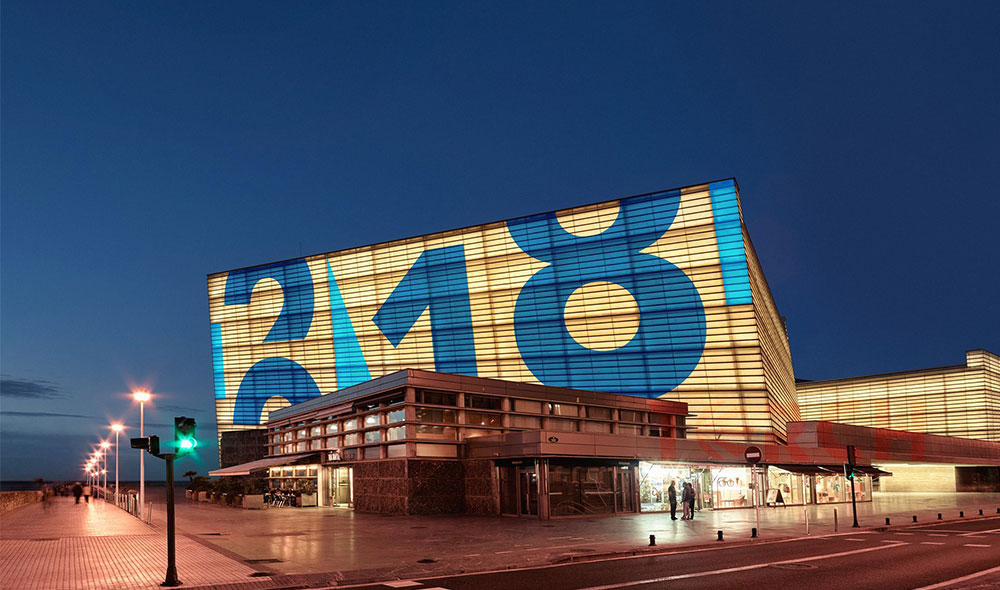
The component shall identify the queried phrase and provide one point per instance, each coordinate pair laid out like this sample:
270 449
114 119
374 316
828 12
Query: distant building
960 400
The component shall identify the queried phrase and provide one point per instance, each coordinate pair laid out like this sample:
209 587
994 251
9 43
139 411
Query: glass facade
648 296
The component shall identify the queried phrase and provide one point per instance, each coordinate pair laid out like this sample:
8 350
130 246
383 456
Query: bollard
914 518
652 540
753 533
720 536
887 520
834 520
805 514
961 514
980 512
939 516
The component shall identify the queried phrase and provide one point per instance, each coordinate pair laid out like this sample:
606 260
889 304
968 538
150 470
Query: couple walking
687 499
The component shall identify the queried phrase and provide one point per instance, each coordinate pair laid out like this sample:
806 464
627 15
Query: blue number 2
671 334
437 280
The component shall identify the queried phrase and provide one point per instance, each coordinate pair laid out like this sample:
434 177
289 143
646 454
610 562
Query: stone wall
242 446
409 486
11 500
481 488
381 486
918 478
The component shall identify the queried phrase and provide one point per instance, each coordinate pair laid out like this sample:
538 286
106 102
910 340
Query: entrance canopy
246 468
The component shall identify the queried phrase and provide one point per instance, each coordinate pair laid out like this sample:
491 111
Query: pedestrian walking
86 493
77 491
691 500
686 494
672 498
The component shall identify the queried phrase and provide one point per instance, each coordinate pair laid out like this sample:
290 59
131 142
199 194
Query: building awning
810 469
870 470
246 468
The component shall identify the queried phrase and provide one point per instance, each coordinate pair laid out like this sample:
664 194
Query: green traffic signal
184 435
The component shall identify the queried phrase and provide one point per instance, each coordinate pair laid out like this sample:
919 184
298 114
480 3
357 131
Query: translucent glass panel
629 296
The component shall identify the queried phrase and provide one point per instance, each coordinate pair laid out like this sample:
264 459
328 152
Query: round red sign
753 455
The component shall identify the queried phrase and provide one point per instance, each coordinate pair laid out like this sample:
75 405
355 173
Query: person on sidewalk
691 499
686 494
86 493
672 498
77 491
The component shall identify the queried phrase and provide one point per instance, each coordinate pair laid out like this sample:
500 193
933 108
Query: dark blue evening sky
146 144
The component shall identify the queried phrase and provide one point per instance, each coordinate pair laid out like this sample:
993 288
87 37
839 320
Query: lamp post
142 396
105 445
117 428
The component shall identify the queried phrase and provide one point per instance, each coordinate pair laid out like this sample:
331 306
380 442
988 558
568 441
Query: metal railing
129 502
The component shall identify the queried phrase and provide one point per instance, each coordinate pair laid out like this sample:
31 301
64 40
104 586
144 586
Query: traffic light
146 443
849 471
184 440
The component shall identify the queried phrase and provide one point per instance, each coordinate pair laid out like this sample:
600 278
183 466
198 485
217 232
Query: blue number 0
671 333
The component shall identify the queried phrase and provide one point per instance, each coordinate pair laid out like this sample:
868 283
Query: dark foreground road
925 556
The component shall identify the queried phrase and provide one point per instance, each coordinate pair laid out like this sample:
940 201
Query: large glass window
523 405
395 416
317 431
563 410
525 422
332 428
371 420
436 415
603 427
432 431
351 424
599 413
630 416
395 433
373 436
437 398
483 402
350 439
561 424
483 419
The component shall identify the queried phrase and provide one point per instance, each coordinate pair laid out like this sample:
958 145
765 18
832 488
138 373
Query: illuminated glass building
623 306
959 401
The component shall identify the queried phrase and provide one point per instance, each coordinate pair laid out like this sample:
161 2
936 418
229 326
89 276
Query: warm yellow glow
104 471
141 395
601 316
117 427
105 444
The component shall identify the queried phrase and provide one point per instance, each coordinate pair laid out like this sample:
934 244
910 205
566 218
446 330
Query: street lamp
117 428
142 396
105 445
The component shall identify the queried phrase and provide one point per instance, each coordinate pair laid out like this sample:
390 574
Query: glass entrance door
339 486
518 490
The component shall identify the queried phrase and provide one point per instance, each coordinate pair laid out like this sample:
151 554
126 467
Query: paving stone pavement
97 546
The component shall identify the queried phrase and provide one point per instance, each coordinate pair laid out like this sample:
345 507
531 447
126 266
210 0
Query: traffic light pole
171 579
854 504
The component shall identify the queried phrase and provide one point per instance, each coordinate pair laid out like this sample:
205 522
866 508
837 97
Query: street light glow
105 444
141 395
117 427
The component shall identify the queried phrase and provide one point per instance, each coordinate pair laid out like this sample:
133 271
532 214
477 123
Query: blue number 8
671 333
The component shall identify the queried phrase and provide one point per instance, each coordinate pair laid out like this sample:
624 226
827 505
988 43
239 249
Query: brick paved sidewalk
97 546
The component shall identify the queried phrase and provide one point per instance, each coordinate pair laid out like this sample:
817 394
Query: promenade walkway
98 546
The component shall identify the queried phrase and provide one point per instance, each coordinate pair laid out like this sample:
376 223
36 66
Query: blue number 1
437 280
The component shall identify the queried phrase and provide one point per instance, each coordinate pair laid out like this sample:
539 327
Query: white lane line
974 545
565 537
502 552
904 533
962 579
973 536
931 543
401 584
741 568
855 539
888 541
472 555
939 535
974 533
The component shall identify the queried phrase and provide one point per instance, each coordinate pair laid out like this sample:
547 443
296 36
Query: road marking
741 568
938 535
962 579
472 555
565 537
973 536
855 539
401 584
974 545
888 541
502 552
981 532
931 543
904 533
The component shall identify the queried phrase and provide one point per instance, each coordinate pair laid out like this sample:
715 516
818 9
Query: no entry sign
753 455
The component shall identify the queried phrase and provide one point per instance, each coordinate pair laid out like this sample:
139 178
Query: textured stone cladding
481 488
409 486
242 446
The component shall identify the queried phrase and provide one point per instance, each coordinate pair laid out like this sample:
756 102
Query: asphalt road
898 559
